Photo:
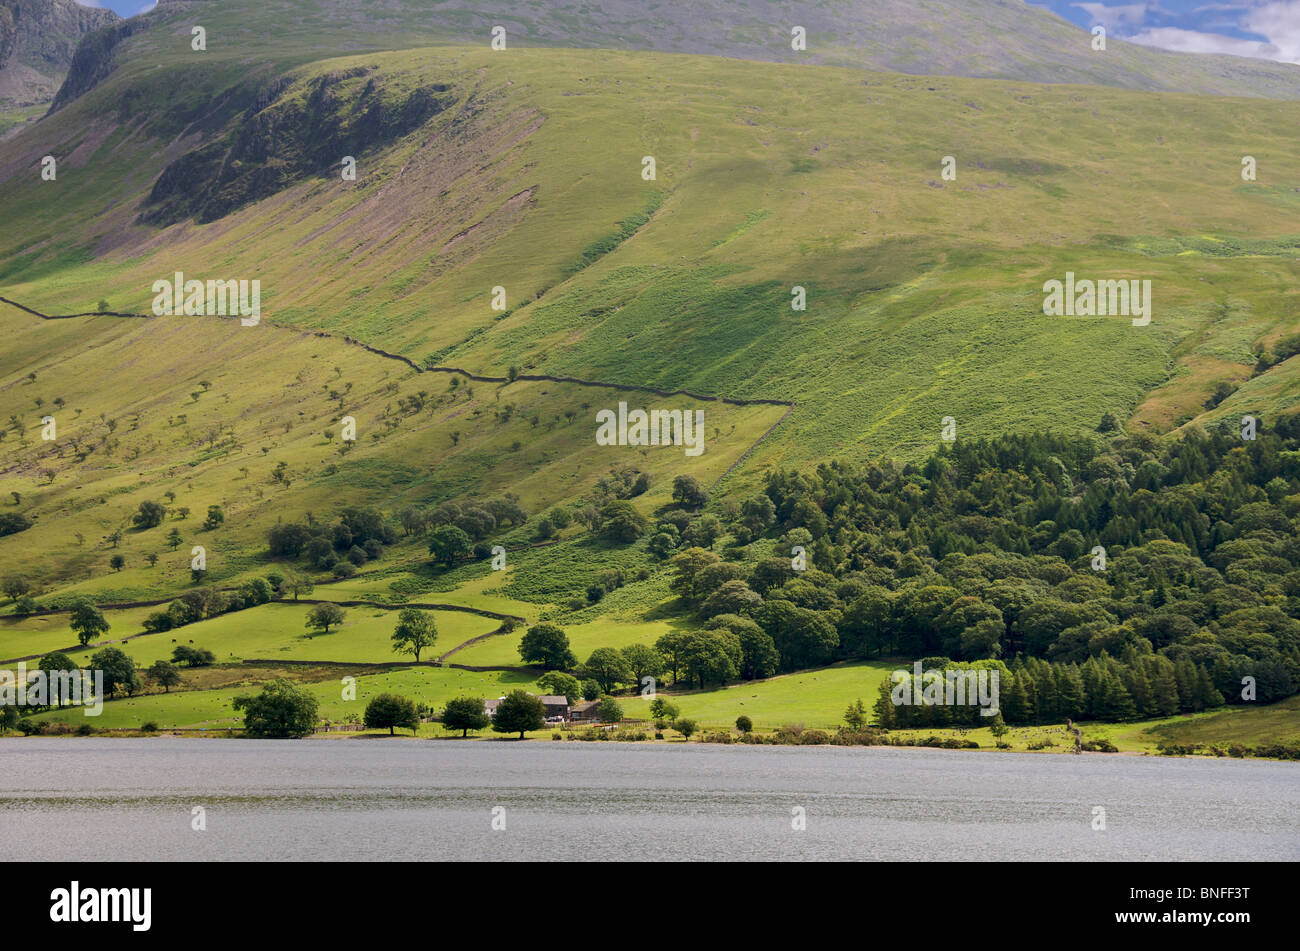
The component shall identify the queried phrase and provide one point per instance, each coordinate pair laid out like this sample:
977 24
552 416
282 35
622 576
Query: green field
274 631
815 699
24 637
810 699
211 709
1247 726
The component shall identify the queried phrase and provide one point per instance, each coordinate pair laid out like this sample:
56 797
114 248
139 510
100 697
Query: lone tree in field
215 517
685 727
392 711
609 710
518 713
165 675
174 539
415 631
15 587
282 710
999 729
324 616
87 622
193 656
151 514
465 714
548 645
299 585
855 717
608 668
117 562
687 492
663 709
119 671
448 544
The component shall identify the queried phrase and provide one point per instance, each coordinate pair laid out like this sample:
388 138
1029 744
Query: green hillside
183 405
686 281
520 174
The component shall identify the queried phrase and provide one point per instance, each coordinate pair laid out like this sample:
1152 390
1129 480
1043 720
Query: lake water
381 799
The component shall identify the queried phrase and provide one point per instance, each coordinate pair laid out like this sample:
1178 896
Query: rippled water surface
375 799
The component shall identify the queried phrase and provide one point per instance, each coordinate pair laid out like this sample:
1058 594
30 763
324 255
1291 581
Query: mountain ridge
990 39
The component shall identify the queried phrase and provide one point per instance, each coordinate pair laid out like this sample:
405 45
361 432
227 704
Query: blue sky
125 8
1266 29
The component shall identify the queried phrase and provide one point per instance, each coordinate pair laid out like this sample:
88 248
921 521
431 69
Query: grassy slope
763 192
269 394
1248 726
924 300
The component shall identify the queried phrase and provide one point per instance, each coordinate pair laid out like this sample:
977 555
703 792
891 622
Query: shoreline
223 735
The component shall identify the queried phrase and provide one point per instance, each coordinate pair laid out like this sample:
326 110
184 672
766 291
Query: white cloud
1190 41
1280 22
1277 21
1133 14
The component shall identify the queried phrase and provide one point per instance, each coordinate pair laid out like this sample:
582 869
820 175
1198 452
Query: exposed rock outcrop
93 61
38 40
281 139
